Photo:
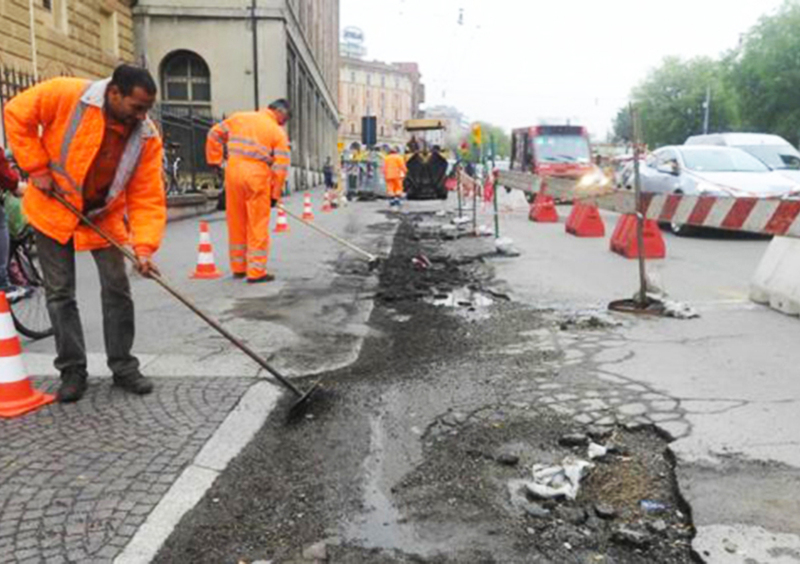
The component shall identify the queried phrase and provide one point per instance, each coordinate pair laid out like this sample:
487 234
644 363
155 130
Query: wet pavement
406 455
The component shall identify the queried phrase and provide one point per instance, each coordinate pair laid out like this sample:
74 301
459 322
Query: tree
502 140
623 127
767 74
672 98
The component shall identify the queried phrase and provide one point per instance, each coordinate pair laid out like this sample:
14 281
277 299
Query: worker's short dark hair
128 77
281 104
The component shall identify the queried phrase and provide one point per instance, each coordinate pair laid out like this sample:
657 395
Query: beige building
217 57
84 38
390 92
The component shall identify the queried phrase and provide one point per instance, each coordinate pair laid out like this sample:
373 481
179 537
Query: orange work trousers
248 199
394 186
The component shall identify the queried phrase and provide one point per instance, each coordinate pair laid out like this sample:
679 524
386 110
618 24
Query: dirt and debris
421 451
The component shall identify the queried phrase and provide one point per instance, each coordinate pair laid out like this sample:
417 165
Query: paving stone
72 476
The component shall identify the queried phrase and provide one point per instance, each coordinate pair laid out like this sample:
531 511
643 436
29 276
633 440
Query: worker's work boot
134 383
73 386
266 278
239 275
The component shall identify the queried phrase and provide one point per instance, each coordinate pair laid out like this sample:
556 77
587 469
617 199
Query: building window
352 108
383 81
352 128
109 32
352 76
383 132
57 18
186 83
369 78
48 5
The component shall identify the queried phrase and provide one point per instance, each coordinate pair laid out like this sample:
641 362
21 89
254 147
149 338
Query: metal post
494 193
192 149
639 211
34 61
458 188
254 23
707 106
475 183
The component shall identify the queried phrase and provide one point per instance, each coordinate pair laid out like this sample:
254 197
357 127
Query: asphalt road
731 370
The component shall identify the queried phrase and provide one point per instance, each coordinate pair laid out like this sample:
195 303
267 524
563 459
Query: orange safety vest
69 114
394 166
252 139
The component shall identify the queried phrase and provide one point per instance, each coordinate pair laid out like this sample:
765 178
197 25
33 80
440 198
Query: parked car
703 170
773 150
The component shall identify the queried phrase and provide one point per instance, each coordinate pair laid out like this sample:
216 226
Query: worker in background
93 143
394 171
257 151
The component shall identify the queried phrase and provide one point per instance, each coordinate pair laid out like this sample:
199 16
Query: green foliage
671 101
767 74
753 88
502 142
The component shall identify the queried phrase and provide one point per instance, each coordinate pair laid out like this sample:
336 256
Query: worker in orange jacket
256 148
394 170
93 143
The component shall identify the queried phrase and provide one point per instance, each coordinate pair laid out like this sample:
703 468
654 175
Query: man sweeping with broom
92 144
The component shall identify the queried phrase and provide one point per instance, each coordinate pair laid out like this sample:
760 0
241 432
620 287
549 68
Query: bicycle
29 308
27 296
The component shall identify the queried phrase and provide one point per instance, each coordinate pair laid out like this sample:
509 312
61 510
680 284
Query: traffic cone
326 202
585 221
543 209
626 243
282 225
308 213
206 268
17 395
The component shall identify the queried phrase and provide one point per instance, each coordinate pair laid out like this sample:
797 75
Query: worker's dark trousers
58 268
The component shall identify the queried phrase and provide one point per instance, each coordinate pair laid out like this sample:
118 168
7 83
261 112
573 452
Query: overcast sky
513 62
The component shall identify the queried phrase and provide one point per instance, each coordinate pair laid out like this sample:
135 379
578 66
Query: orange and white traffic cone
282 225
17 395
206 267
326 203
308 213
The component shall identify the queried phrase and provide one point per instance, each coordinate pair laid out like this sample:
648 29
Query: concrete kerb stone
230 438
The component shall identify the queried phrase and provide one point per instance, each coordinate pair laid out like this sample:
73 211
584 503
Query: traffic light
476 133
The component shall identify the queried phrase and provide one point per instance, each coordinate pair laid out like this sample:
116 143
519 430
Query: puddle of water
381 525
461 297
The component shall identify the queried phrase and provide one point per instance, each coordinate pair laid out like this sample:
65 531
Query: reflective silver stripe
258 254
246 141
250 154
238 260
59 170
237 246
219 136
74 122
280 167
282 153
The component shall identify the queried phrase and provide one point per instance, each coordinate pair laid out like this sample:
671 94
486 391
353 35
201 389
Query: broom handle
327 233
180 297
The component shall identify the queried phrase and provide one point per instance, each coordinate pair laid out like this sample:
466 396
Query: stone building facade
216 58
390 92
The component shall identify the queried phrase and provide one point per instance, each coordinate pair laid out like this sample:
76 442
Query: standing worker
258 157
93 143
394 170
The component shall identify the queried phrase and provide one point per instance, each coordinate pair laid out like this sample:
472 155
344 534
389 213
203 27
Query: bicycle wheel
29 312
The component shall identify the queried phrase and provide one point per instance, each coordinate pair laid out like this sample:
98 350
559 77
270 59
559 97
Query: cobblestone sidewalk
76 481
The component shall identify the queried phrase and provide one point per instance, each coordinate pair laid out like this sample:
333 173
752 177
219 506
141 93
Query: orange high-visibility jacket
252 138
394 166
69 114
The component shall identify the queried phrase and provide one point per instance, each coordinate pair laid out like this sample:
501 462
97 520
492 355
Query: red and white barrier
777 279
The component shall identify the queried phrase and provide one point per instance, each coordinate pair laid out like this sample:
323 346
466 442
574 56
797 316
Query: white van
775 151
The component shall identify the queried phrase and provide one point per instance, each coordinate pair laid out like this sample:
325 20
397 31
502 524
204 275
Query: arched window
186 83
